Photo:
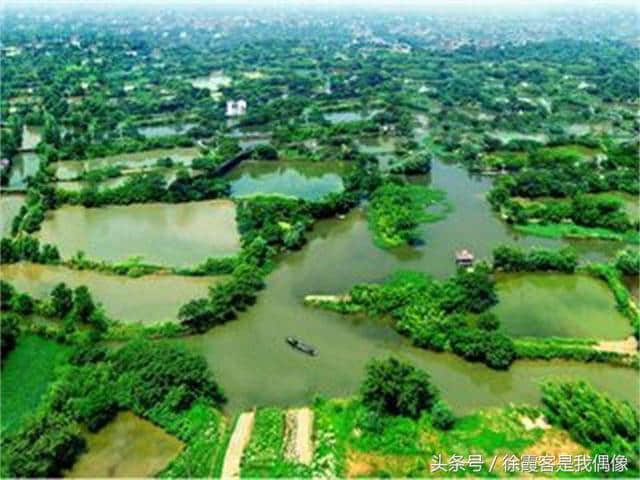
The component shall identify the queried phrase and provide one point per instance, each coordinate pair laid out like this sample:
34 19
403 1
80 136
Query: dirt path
327 298
299 424
626 347
237 444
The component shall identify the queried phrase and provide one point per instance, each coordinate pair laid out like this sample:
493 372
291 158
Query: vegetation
396 210
395 388
605 425
159 381
512 259
21 393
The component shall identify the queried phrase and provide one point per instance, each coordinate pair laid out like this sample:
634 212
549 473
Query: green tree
396 388
62 299
83 305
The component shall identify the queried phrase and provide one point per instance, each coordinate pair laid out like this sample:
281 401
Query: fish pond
306 180
151 299
554 305
9 208
71 169
126 447
167 234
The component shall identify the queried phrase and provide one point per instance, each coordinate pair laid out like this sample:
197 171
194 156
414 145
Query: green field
26 374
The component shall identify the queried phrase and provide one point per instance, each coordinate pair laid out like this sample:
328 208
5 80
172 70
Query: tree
442 416
500 351
197 314
83 305
6 294
393 387
9 332
22 304
62 299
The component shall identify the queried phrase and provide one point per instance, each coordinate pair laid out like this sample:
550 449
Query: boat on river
301 346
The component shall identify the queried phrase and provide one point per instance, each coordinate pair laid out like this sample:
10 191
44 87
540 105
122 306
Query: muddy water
150 300
295 179
547 305
162 233
128 446
260 368
9 208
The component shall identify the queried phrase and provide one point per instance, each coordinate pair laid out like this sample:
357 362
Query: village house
236 108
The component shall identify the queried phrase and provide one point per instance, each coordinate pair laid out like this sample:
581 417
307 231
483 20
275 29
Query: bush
442 416
513 259
594 419
9 332
397 388
628 261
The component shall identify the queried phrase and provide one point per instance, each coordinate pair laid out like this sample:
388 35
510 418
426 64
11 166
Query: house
464 258
235 108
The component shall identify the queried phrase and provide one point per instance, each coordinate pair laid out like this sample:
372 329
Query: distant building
464 258
236 108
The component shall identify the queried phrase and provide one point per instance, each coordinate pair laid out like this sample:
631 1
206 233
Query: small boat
301 346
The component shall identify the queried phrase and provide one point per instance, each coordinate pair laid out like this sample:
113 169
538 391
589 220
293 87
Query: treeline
156 380
27 248
74 309
513 259
148 187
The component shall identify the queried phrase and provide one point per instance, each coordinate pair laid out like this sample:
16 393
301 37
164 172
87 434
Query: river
255 367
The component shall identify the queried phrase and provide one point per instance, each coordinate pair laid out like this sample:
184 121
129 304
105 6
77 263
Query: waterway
256 367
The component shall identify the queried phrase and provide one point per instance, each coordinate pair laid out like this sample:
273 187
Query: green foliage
9 332
396 210
146 372
513 259
569 349
43 447
395 388
22 304
442 416
6 294
265 449
62 300
593 418
628 261
26 247
21 392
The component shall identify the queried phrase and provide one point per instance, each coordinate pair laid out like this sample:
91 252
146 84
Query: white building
236 108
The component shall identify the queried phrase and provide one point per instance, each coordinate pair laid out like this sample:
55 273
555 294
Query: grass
560 230
26 374
361 445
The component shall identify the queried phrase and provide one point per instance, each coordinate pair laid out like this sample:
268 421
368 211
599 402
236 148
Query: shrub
397 388
442 416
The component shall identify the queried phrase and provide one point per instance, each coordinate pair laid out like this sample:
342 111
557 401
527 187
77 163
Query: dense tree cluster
605 425
513 259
